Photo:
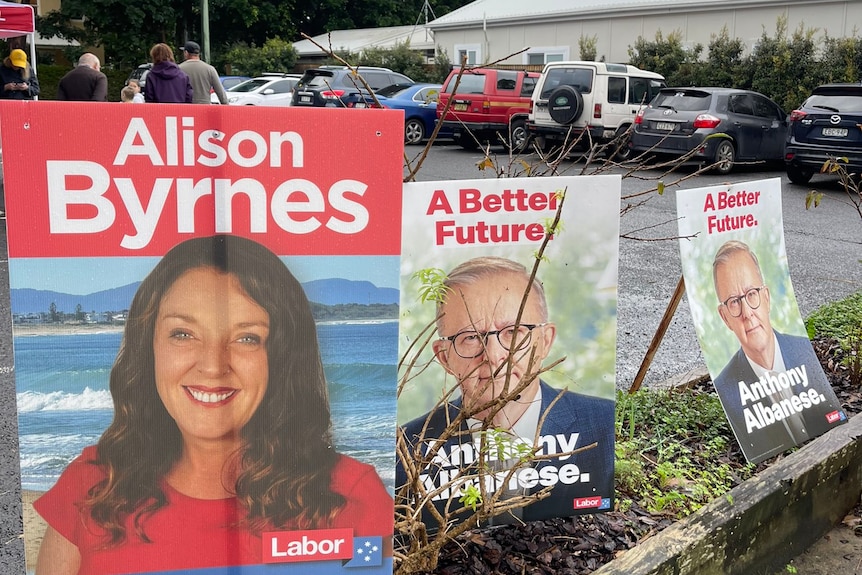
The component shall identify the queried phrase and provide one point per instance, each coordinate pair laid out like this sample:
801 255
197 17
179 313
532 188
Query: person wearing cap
166 83
203 77
84 82
18 79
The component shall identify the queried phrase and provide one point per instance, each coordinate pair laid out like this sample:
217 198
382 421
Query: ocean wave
87 400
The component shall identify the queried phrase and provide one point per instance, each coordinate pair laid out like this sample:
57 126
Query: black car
139 74
679 120
338 87
825 126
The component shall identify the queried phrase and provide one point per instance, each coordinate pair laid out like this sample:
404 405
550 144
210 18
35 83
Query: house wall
615 34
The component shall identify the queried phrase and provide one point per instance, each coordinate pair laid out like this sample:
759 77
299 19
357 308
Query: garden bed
793 498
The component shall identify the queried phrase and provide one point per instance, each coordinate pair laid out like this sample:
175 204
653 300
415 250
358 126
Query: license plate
360 105
665 126
460 107
305 98
835 132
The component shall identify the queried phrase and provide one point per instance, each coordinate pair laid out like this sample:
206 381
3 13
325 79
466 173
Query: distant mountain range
333 291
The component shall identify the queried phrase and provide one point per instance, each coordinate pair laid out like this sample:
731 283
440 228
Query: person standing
203 77
85 82
166 83
18 79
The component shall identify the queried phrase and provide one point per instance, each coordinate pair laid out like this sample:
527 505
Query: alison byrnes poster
205 335
764 369
484 236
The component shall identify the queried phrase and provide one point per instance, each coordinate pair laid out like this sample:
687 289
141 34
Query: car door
278 93
774 127
746 128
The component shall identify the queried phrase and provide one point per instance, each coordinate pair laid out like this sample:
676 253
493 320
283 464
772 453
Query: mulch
580 545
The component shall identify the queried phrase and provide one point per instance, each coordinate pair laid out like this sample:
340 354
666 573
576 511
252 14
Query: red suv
489 105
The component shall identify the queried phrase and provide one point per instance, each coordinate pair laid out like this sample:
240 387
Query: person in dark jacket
166 82
18 79
85 82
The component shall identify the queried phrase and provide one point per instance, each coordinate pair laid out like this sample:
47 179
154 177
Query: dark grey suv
825 126
337 87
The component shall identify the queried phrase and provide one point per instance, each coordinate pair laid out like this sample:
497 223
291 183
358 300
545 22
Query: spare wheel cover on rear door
565 104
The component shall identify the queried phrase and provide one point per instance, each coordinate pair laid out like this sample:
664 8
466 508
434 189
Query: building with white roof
419 37
540 31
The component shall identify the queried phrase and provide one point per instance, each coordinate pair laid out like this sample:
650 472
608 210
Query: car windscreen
581 79
848 104
683 100
248 86
469 84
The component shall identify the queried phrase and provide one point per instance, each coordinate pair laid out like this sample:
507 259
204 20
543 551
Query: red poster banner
148 177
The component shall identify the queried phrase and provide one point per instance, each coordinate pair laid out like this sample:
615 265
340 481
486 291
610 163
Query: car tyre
467 141
414 131
520 136
725 155
799 176
565 104
620 144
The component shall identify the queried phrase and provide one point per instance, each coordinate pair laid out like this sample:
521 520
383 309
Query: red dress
196 533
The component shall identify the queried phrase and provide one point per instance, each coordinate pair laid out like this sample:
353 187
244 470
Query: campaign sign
558 353
766 374
205 305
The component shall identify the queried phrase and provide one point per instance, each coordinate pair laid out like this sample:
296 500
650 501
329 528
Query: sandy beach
34 528
64 328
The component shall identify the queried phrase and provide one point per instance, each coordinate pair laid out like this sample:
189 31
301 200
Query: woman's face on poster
211 364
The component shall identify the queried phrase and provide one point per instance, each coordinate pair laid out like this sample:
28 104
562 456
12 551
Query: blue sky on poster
81 276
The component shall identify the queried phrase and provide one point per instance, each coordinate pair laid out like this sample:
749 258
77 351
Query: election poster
205 314
764 369
477 344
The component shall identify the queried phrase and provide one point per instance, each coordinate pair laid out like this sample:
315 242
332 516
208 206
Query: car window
655 87
470 84
639 91
741 104
579 78
282 86
317 80
506 80
229 83
249 85
528 86
616 90
763 108
428 94
847 104
376 80
682 101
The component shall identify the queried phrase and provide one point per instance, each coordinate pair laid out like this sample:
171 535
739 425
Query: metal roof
512 11
355 41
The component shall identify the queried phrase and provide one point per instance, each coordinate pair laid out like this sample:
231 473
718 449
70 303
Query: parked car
574 97
679 120
227 83
268 90
325 86
419 103
488 105
825 126
140 74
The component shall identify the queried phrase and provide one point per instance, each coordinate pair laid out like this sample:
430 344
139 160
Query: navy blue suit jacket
591 417
774 438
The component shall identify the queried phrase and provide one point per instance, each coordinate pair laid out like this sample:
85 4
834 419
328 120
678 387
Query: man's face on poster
739 287
479 358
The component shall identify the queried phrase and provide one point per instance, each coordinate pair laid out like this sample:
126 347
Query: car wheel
467 141
725 155
799 175
414 131
620 144
565 104
520 136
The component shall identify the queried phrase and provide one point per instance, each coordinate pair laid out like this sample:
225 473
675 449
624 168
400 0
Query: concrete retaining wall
764 522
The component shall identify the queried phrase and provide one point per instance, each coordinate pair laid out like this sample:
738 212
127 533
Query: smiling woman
221 429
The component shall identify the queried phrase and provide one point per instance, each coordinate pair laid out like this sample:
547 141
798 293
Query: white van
572 97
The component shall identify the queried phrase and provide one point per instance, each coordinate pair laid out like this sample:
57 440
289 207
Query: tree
667 57
276 55
79 313
53 313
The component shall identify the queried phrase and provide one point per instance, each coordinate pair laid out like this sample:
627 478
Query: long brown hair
287 455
